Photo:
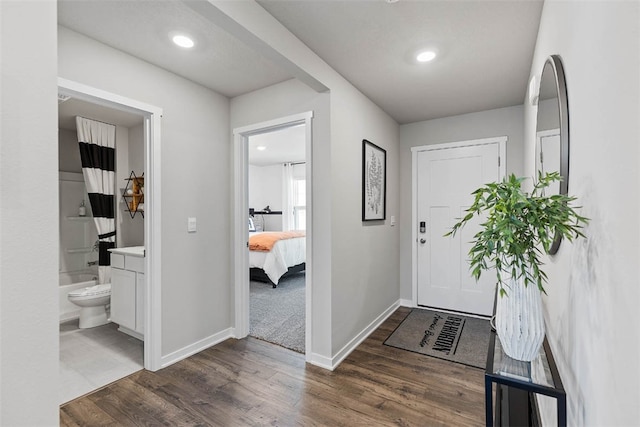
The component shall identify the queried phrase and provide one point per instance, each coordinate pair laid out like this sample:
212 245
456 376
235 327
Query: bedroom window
299 204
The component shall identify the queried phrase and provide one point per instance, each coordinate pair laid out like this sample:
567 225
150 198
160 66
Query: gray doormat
452 337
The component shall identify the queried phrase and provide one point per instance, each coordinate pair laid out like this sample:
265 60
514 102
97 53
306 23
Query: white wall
265 189
548 119
130 158
28 215
68 151
593 293
499 122
136 148
74 234
122 218
284 99
195 177
365 255
358 263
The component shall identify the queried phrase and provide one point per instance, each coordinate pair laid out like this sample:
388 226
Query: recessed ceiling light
426 56
183 41
261 148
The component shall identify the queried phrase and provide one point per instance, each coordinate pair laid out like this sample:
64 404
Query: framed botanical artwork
374 182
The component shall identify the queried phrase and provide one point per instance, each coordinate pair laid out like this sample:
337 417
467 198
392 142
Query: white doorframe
241 218
502 165
539 135
152 224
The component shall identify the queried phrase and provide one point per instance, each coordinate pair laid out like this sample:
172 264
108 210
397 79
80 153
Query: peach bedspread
263 242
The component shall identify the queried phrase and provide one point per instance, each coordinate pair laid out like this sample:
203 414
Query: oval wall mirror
552 129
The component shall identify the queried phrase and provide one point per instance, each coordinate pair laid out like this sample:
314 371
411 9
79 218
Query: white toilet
92 302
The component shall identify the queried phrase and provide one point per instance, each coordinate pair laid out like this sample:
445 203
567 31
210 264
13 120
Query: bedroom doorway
273 234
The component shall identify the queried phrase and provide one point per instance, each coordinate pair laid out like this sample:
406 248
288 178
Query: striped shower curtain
97 152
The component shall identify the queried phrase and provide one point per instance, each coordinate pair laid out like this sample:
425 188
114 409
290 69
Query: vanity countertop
131 251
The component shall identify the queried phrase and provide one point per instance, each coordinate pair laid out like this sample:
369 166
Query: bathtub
72 281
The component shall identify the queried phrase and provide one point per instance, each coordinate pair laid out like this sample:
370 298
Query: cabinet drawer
134 263
117 261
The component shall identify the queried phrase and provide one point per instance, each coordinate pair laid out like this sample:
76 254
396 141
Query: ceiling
485 48
68 110
283 145
141 28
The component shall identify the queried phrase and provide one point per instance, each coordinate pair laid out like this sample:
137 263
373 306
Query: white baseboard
131 332
357 340
406 303
320 361
69 315
196 347
329 363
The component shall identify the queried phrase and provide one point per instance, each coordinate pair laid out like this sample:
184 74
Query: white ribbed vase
519 321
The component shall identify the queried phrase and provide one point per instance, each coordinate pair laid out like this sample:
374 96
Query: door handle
423 241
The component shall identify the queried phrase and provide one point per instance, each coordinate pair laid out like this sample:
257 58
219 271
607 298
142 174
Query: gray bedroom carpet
277 315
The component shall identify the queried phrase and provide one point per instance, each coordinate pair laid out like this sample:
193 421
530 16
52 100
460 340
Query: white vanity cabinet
123 297
128 290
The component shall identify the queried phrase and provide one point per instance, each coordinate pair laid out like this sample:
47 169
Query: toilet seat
93 302
92 291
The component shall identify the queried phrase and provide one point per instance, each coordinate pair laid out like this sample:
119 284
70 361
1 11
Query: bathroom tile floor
93 358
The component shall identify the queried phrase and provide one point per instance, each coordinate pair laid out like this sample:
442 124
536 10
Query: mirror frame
563 111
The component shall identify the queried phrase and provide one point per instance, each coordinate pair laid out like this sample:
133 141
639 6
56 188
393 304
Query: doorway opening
273 212
137 147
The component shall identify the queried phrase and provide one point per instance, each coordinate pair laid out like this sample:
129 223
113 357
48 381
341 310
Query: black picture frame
374 182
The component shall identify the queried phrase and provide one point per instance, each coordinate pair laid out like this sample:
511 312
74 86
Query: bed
274 255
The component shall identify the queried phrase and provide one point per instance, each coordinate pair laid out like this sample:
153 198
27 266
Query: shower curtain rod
99 121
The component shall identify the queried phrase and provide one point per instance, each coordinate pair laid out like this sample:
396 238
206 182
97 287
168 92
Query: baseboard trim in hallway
252 382
196 347
355 342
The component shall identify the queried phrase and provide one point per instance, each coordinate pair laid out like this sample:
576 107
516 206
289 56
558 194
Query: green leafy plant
517 225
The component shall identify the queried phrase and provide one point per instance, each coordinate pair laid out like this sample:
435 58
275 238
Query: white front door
445 177
548 156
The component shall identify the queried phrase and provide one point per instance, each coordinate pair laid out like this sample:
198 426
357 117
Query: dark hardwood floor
250 382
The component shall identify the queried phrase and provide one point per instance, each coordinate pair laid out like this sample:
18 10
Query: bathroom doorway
91 357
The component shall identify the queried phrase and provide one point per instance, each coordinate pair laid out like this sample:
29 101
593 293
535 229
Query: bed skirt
259 275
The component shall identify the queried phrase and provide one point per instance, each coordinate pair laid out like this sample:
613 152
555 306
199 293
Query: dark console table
516 384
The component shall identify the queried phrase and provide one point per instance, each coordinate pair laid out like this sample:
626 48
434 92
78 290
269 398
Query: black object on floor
447 336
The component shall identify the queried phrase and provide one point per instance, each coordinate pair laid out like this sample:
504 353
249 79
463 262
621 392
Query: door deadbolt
423 241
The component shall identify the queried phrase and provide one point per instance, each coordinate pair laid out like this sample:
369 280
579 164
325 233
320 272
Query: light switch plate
393 220
191 225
